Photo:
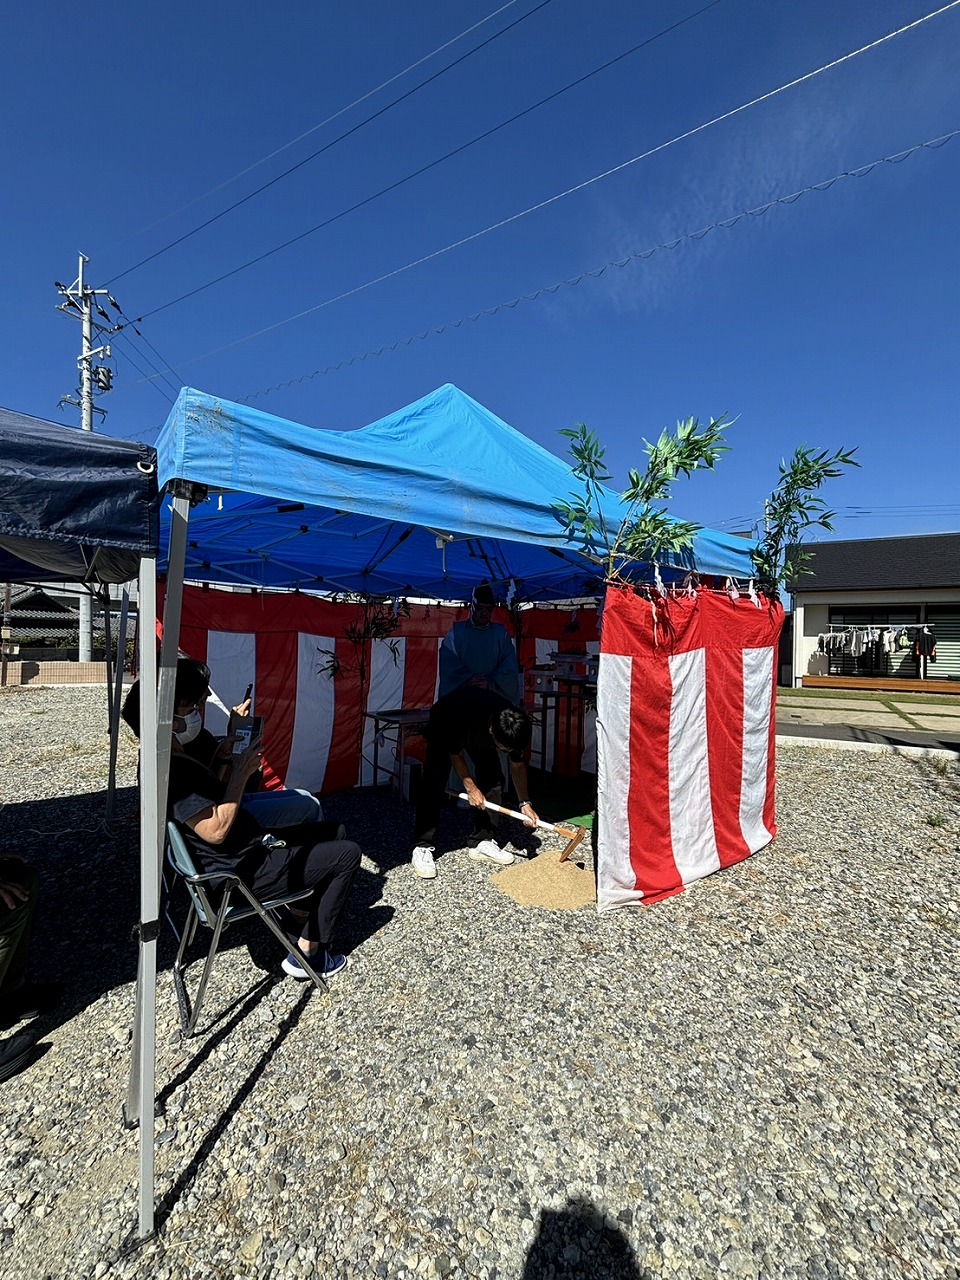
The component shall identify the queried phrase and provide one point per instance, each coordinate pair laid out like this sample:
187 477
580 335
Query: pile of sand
547 882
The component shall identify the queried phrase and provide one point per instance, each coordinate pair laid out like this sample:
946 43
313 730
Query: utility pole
79 301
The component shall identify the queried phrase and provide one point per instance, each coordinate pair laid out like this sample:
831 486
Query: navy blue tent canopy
428 501
73 505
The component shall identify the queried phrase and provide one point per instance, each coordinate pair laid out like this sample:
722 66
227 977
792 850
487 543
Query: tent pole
156 721
107 646
115 700
7 599
143 1054
169 648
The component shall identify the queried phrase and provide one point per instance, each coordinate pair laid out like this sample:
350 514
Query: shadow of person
578 1243
362 917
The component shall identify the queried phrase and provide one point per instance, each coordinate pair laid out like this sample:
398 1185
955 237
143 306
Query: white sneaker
490 851
423 863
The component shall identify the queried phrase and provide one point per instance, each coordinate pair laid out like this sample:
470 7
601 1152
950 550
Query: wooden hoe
573 835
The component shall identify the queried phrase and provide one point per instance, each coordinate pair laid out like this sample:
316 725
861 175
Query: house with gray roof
895 600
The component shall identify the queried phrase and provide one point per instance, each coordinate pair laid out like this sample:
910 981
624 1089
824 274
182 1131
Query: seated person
223 837
483 723
286 807
19 998
479 652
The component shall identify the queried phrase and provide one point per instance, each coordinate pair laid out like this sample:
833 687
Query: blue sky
830 321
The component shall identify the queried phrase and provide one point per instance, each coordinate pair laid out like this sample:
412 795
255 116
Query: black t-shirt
460 721
193 789
203 748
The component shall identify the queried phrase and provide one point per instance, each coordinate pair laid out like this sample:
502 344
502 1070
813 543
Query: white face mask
192 724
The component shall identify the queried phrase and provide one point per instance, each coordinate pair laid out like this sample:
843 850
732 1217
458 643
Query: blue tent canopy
428 501
73 504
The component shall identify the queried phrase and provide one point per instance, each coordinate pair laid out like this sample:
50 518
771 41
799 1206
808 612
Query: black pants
310 860
488 776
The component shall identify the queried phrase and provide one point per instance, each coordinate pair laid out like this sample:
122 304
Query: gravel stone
758 1078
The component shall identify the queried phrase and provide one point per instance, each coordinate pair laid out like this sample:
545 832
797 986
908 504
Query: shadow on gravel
89 903
360 920
89 894
382 823
577 1243
208 1144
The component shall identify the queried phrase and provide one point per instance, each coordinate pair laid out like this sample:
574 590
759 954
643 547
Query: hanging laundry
925 644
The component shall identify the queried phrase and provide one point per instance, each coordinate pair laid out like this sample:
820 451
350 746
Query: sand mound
547 882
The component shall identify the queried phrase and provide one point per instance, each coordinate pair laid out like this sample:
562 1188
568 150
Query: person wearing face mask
224 838
479 653
280 808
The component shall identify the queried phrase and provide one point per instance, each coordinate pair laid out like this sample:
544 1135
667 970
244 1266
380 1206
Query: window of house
874 661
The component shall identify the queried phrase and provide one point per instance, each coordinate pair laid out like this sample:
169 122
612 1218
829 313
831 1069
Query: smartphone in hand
248 729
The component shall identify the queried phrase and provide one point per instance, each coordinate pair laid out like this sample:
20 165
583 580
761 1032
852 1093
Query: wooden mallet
573 834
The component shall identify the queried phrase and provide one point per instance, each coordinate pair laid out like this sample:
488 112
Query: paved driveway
890 719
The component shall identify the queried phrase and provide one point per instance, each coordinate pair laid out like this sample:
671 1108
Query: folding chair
202 911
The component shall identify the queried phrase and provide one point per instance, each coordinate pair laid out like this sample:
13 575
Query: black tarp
74 505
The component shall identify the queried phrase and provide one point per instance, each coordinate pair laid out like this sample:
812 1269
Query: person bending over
483 723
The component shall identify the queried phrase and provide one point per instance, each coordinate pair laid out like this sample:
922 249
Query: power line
433 164
160 373
724 224
751 518
944 509
145 377
131 324
124 331
323 123
855 512
543 204
307 159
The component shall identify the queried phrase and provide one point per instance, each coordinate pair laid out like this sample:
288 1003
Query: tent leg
156 721
141 1087
113 697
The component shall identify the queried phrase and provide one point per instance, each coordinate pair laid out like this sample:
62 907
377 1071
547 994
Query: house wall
811 612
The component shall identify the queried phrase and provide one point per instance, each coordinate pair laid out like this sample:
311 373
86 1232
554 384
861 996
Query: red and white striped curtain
685 739
317 733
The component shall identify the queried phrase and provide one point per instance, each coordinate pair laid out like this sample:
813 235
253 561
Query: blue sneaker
332 965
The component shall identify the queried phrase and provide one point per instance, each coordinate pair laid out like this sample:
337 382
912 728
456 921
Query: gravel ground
757 1078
